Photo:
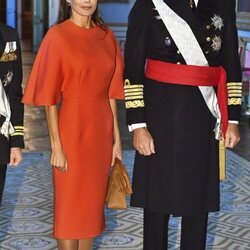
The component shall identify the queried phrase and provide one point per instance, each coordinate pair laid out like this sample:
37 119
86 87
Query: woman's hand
143 142
58 160
15 156
232 136
117 151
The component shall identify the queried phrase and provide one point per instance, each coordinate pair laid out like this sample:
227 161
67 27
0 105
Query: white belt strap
191 51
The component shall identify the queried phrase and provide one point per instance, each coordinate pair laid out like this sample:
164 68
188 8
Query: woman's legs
67 244
85 244
155 231
193 232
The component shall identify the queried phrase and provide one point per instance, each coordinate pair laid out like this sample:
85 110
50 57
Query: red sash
193 76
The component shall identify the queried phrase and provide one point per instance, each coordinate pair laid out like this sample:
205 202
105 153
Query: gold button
208 39
178 52
208 27
178 63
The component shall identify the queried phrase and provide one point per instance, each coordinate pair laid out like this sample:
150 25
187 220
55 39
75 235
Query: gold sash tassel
222 159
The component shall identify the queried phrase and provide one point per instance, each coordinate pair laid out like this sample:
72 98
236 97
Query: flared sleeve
116 90
44 85
231 63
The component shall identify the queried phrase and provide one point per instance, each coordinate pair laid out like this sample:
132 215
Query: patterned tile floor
26 213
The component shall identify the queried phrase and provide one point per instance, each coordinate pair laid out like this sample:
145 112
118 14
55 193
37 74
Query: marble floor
26 214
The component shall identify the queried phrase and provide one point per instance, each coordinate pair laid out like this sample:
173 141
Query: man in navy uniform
183 96
11 108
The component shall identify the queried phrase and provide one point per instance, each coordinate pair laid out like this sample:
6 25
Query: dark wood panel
27 19
2 11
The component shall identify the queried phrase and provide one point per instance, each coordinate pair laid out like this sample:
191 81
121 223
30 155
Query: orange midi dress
81 69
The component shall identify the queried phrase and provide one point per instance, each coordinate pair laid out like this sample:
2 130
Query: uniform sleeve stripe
234 84
133 90
134 93
234 91
234 87
134 97
18 133
19 127
133 86
234 95
128 85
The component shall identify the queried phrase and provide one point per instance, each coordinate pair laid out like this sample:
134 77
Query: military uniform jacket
182 177
11 77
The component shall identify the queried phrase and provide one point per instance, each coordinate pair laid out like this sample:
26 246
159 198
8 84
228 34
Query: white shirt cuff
233 122
134 126
144 125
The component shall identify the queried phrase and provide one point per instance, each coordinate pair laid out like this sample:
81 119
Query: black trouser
3 169
193 231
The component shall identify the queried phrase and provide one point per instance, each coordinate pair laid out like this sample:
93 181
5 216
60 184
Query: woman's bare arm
58 157
117 148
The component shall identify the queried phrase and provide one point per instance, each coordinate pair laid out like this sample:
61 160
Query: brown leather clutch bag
118 187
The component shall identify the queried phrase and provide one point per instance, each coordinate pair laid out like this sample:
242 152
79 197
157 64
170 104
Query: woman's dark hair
65 13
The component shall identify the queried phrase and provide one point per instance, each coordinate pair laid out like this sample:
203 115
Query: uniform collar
196 2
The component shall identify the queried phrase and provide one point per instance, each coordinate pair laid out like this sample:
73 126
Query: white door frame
19 16
53 11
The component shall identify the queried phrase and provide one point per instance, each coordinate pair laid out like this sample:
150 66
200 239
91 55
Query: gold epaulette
8 57
234 93
133 95
19 130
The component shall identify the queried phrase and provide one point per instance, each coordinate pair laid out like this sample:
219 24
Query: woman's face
84 8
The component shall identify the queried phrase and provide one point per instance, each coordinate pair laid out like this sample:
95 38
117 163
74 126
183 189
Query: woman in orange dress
79 64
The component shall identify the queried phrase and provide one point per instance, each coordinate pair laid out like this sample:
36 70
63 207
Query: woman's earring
68 4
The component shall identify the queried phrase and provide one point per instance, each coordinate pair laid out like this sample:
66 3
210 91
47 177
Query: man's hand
15 156
143 142
232 136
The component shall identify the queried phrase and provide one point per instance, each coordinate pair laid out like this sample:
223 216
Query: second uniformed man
11 108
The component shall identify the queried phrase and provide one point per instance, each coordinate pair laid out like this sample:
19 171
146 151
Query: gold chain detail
234 101
135 104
